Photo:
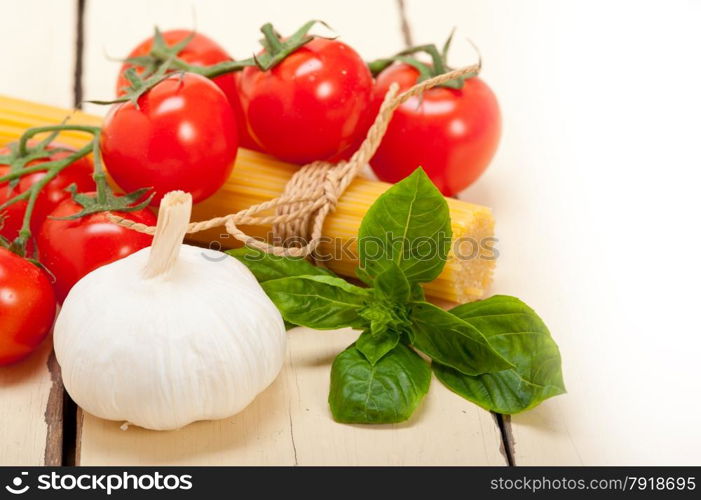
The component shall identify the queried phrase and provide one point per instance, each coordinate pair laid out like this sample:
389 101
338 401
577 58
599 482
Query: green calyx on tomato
320 95
104 199
161 63
160 53
277 47
175 57
72 247
140 84
452 131
194 53
162 58
438 65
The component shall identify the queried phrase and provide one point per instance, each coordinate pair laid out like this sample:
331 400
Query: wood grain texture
290 424
38 38
31 427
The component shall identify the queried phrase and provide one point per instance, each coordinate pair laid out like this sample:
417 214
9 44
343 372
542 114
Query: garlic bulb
169 335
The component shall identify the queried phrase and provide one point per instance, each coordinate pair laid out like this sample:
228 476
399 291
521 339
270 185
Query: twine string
313 191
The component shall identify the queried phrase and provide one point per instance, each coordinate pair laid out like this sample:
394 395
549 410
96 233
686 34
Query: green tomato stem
438 65
379 65
271 37
29 133
99 176
28 170
25 232
222 68
53 169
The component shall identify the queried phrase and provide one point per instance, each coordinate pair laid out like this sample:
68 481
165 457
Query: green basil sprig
496 352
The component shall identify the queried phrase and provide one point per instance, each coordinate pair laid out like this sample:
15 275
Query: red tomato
78 173
451 133
70 249
200 51
27 307
181 136
311 106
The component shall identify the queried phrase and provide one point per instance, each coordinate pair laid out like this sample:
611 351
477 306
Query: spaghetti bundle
257 178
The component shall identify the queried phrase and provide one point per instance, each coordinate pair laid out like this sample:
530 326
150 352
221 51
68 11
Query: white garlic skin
198 343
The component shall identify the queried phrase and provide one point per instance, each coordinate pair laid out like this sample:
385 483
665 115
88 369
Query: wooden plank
590 187
290 424
31 397
112 30
39 51
39 61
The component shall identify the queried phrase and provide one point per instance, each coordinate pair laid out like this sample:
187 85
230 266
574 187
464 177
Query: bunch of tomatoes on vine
183 107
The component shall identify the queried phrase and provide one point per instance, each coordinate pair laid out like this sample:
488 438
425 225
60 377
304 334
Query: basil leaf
321 302
417 293
518 333
375 344
266 266
392 284
453 342
379 315
363 275
408 225
384 393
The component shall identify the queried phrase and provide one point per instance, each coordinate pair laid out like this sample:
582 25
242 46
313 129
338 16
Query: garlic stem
173 219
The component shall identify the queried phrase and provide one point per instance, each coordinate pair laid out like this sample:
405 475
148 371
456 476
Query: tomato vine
22 153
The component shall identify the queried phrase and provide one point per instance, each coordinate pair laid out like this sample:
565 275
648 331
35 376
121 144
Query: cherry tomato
27 307
78 173
182 136
451 133
70 249
200 51
311 106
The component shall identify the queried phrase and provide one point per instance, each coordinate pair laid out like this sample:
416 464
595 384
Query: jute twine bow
313 191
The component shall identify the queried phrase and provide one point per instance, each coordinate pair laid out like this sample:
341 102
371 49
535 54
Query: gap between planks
53 416
507 437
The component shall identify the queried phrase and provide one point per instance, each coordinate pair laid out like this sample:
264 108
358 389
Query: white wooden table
595 193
